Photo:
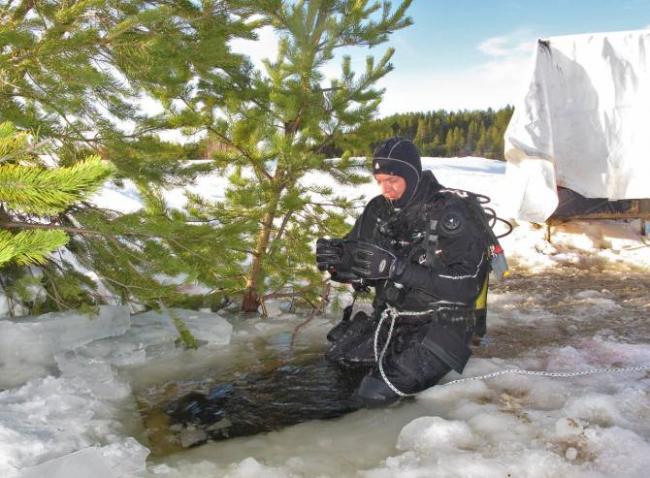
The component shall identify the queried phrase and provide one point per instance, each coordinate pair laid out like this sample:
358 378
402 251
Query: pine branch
50 191
29 247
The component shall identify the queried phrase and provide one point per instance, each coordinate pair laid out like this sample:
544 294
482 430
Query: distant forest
447 134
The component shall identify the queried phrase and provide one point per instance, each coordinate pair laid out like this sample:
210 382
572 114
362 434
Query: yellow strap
481 300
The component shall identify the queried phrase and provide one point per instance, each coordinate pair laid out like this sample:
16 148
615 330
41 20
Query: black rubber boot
374 393
339 330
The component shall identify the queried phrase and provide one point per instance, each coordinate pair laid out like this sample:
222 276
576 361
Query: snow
68 406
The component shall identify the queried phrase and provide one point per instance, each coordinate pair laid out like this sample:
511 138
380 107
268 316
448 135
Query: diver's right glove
370 261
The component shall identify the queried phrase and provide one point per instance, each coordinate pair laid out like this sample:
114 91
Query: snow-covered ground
68 406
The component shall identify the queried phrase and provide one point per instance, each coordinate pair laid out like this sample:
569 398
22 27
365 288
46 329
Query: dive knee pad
353 344
446 344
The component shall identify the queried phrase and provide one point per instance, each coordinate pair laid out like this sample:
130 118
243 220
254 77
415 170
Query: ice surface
28 345
518 425
52 417
45 422
152 336
119 460
82 464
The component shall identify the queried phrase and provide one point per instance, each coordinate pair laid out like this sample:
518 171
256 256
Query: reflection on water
267 385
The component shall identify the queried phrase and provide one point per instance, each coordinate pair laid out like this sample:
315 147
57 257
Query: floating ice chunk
125 458
152 336
96 375
82 464
432 433
156 327
207 326
28 345
53 417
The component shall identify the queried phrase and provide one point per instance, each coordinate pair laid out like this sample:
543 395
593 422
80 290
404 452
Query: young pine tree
282 124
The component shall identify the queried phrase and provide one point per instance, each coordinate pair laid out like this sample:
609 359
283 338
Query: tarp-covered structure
583 125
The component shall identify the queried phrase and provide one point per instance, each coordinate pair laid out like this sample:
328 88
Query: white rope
379 356
542 373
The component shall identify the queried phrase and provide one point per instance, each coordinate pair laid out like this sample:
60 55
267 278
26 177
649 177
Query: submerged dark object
266 401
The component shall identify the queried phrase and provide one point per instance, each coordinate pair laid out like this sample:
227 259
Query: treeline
447 134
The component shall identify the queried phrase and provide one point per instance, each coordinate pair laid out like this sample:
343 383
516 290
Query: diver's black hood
426 187
400 157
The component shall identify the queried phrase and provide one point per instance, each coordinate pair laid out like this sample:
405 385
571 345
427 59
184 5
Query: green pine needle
44 191
30 247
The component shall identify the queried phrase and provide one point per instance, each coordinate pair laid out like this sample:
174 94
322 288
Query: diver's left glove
333 256
371 261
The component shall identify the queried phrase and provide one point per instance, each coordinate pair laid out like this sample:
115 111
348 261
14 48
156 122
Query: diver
427 252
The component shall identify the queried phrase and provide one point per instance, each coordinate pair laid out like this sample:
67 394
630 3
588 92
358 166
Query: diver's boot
338 331
374 393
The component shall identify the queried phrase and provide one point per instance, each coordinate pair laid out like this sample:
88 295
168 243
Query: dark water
298 387
260 402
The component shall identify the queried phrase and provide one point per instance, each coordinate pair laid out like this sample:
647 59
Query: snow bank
528 426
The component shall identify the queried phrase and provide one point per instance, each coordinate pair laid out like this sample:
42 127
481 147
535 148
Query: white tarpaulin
583 124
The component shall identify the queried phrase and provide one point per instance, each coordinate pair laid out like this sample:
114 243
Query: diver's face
392 187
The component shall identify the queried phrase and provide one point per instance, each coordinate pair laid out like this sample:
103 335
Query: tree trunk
251 300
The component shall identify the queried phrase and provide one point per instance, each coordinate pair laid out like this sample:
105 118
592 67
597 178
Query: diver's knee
374 392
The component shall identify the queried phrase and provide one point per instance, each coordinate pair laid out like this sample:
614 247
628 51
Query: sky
473 54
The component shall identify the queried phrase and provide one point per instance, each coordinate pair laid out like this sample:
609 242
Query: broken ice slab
152 335
207 327
28 345
119 460
82 464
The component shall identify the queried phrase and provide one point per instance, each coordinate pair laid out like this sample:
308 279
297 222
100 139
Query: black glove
329 254
370 261
334 256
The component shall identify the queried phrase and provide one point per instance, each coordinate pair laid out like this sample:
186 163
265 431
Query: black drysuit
443 264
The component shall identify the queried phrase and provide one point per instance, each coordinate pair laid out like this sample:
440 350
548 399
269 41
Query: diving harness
499 267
